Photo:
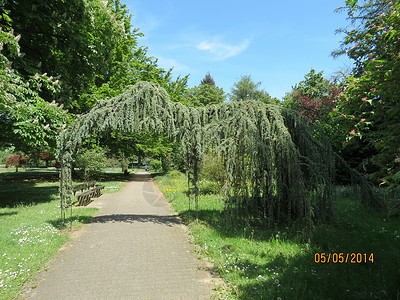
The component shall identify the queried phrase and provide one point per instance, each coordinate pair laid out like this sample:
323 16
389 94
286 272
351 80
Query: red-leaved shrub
16 161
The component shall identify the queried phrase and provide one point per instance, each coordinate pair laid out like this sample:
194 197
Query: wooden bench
79 187
97 189
86 197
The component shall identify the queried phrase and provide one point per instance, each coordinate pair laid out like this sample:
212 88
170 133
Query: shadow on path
117 218
140 177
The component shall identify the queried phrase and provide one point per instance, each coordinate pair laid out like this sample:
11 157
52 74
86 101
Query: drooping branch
280 167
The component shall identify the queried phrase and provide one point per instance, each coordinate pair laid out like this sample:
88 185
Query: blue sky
276 42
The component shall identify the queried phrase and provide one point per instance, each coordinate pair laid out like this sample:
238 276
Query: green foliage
208 80
314 85
125 145
26 120
175 174
317 89
156 165
370 106
203 95
91 162
316 98
247 89
6 153
213 169
88 48
279 166
71 40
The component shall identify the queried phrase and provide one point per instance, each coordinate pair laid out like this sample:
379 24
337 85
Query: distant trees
47 157
247 89
208 80
91 162
204 94
316 98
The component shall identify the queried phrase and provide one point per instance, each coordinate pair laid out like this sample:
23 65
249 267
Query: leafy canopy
205 94
370 106
279 166
27 121
247 89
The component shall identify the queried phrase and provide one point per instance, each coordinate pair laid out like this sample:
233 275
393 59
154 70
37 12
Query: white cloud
220 50
167 63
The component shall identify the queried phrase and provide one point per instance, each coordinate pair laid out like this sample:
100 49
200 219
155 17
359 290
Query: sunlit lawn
260 263
30 232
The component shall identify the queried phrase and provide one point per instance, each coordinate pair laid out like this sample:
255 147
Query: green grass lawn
30 232
279 263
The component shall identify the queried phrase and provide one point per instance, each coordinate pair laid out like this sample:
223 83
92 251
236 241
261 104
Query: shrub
175 174
46 156
5 154
213 169
91 162
156 165
113 163
16 161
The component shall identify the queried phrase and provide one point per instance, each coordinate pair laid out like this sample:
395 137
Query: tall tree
75 53
72 41
89 47
247 89
315 97
208 80
370 107
312 97
26 120
204 94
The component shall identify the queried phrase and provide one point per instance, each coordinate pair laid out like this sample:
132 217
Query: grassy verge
30 231
279 263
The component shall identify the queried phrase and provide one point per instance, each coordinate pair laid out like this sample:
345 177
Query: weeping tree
279 166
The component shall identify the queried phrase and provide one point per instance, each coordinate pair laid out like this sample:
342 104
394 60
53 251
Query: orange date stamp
343 258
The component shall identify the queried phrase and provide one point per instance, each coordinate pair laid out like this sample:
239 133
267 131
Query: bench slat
85 198
93 192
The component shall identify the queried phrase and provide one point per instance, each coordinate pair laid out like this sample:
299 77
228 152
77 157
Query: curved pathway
135 248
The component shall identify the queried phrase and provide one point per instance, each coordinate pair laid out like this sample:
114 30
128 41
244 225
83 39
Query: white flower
46 127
